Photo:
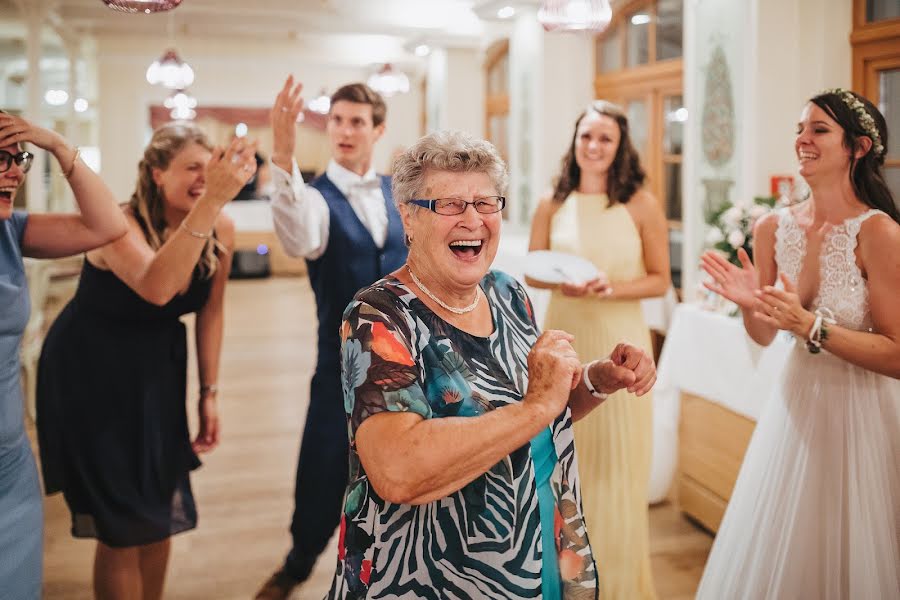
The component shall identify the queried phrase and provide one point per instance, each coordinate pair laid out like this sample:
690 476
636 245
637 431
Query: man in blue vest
345 225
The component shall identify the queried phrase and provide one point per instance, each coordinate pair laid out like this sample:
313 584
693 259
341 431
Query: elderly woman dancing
463 476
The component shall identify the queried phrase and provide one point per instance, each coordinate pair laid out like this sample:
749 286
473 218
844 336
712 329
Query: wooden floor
244 490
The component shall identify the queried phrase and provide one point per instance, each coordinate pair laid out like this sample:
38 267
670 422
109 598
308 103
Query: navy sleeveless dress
112 420
21 510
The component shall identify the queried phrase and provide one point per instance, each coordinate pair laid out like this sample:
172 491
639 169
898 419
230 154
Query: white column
72 133
526 48
436 91
34 13
567 89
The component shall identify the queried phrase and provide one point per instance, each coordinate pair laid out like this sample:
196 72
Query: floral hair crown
865 119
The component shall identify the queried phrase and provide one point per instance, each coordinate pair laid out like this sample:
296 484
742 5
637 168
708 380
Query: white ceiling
449 20
357 33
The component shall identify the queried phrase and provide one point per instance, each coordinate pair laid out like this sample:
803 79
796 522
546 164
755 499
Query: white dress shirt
302 217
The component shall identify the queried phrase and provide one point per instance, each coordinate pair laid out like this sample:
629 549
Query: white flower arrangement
731 226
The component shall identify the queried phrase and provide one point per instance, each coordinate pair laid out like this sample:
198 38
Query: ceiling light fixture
141 6
170 71
592 16
321 104
182 105
56 97
389 81
640 19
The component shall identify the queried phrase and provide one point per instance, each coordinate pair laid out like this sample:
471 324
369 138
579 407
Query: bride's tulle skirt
815 512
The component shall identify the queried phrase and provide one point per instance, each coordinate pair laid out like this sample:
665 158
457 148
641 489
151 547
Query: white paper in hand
553 267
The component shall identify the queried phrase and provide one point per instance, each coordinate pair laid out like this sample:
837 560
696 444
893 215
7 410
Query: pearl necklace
441 303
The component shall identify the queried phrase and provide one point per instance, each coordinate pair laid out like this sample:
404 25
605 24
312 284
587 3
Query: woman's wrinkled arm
411 460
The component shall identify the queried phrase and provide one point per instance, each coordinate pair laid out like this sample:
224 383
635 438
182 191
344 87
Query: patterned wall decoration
718 111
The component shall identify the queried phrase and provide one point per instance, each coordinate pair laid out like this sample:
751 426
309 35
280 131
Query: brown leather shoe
278 587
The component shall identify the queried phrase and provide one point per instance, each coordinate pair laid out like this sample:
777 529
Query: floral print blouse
483 541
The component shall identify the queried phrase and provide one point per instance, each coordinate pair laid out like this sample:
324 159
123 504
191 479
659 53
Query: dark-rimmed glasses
457 206
23 159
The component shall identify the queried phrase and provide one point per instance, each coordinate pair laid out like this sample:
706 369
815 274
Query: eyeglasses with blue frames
23 159
457 206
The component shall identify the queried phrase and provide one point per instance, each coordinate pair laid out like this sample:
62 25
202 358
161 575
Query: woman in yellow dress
599 211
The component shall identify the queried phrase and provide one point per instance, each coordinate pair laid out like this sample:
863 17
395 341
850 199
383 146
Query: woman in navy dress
111 394
42 236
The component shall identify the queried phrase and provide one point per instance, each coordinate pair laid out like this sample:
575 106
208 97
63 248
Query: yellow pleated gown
614 442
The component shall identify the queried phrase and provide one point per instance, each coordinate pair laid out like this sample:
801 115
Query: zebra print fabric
483 541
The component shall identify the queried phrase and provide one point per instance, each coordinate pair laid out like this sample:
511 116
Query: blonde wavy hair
147 203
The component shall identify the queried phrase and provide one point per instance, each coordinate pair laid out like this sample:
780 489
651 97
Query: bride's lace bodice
842 288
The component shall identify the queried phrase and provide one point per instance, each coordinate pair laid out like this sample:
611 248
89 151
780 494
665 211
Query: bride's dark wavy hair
867 171
625 175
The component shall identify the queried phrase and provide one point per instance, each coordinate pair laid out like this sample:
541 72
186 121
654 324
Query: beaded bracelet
211 388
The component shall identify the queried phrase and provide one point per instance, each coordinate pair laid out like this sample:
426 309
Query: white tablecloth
709 355
250 215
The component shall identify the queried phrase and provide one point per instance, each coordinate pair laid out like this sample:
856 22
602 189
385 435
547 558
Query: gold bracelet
196 234
74 160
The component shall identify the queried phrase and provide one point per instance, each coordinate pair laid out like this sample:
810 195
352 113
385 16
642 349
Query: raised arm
210 326
158 275
53 235
411 460
300 214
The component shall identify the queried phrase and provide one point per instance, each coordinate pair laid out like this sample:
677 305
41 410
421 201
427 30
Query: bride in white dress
815 512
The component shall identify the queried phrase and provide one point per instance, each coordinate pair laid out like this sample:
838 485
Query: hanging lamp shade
591 16
388 81
170 71
182 105
141 6
321 104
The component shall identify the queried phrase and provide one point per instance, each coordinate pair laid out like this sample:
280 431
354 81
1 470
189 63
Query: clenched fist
553 372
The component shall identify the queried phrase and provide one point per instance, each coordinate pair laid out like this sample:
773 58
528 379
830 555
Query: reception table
712 384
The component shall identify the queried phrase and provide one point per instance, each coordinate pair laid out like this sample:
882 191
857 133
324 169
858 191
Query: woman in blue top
463 478
42 236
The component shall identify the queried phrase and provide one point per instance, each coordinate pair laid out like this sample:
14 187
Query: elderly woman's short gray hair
454 151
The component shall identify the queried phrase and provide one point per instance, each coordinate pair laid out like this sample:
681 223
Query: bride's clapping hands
782 308
738 284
